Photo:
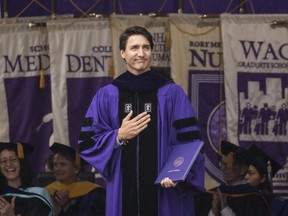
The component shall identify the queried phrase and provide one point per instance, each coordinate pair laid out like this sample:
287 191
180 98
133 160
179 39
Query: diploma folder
180 161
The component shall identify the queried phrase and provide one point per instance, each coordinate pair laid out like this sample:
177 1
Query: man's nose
140 51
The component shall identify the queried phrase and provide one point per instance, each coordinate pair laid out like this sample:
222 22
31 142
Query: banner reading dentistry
80 54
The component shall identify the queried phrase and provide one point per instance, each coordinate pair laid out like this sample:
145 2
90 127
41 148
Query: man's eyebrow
146 45
136 45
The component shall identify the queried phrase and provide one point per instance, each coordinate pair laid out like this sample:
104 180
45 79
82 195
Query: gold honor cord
20 151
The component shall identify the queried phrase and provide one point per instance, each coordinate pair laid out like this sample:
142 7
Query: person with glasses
17 194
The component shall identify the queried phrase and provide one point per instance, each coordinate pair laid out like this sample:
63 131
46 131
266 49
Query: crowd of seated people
246 189
234 196
65 193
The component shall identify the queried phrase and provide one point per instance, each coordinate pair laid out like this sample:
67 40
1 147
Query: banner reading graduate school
256 82
196 64
80 52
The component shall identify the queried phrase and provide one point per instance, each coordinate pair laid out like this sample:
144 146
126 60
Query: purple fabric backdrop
43 8
27 107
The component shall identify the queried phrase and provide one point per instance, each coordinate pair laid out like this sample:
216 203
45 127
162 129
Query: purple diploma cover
180 161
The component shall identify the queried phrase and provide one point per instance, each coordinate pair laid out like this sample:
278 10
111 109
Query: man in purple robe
129 131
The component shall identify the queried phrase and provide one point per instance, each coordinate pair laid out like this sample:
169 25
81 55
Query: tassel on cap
269 170
77 158
220 148
20 151
42 79
230 159
269 167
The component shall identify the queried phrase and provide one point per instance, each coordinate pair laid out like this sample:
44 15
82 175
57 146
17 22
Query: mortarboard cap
234 153
226 147
67 150
21 149
262 162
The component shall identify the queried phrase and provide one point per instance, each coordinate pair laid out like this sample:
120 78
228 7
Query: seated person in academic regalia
71 196
235 196
17 195
260 172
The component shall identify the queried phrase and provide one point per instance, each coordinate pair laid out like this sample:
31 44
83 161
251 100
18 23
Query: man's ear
122 53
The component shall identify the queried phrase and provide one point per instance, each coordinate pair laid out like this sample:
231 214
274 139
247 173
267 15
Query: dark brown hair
135 30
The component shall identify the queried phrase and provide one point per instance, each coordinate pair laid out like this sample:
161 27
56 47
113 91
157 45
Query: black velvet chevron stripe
185 122
86 135
190 135
86 144
87 122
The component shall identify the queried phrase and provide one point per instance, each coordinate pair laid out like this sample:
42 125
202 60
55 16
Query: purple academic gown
173 104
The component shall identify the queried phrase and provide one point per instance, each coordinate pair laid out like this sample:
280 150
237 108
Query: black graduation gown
242 199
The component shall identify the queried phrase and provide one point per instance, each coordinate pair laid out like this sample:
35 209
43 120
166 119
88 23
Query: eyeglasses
10 160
